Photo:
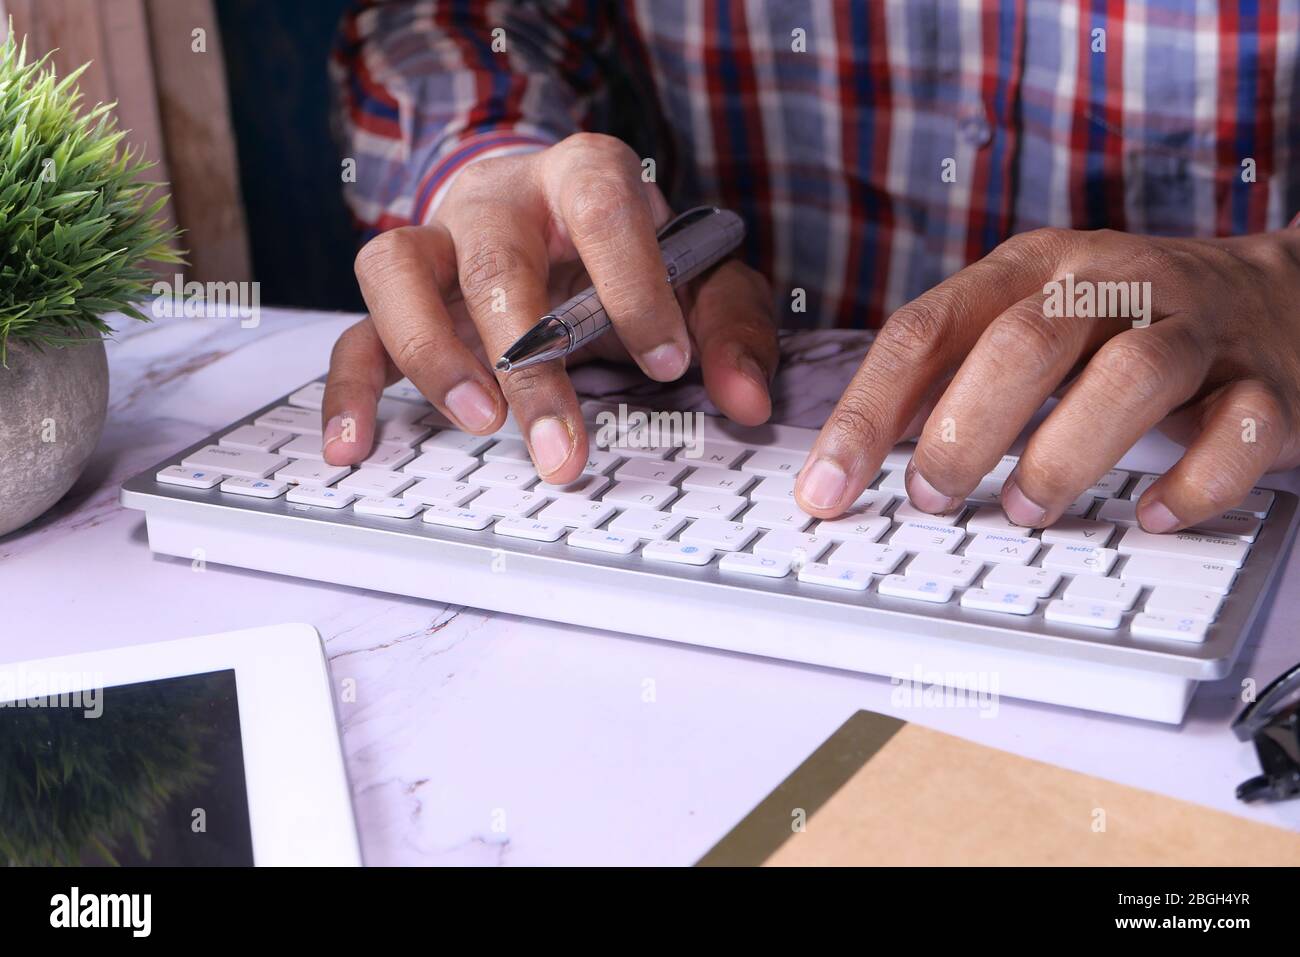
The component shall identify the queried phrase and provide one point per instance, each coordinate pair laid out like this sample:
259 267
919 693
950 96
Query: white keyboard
711 550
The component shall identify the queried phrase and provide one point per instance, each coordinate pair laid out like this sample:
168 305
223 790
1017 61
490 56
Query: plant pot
52 406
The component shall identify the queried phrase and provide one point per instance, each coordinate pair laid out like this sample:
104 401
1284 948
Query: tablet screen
140 774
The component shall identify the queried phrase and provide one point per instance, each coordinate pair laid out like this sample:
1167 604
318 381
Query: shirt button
975 127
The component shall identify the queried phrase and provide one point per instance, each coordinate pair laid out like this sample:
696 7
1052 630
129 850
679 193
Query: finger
594 190
1130 384
729 313
360 370
1242 435
919 343
1023 355
502 262
404 275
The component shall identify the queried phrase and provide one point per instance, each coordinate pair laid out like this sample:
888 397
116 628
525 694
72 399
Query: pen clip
682 220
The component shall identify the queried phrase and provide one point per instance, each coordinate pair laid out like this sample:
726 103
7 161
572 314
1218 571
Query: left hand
1215 362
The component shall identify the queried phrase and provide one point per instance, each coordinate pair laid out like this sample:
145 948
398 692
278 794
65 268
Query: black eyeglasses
1272 721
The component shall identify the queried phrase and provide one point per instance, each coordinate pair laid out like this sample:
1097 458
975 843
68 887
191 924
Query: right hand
515 236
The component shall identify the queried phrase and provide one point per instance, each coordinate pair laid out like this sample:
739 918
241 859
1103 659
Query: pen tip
503 364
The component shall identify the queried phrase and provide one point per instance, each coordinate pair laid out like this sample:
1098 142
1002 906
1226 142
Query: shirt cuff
437 181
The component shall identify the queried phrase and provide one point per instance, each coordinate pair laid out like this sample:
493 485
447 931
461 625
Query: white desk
487 739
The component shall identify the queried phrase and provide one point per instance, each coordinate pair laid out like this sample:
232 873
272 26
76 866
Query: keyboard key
1092 589
598 462
987 492
1090 615
680 553
376 482
239 462
453 517
922 537
778 515
399 432
1239 525
577 512
1257 502
644 495
1078 531
1118 511
793 546
309 396
719 455
534 531
772 489
388 456
727 481
603 541
286 418
450 440
907 512
1143 483
1080 507
861 525
1006 602
1182 628
1080 559
502 475
510 502
647 524
386 506
586 486
768 462
255 488
743 563
650 470
451 466
1183 602
188 477
893 483
993 519
719 535
1039 582
311 472
947 568
709 505
917 589
255 438
1205 548
404 390
1156 570
1108 485
835 576
510 450
869 556
301 446
433 491
896 459
307 494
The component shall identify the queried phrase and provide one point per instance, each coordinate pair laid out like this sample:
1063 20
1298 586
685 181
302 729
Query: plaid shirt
873 147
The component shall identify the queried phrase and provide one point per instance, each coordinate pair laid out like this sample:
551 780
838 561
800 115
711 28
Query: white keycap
188 477
778 515
286 418
310 396
923 537
534 531
647 524
444 465
255 488
768 462
872 500
1092 589
1205 548
868 556
861 525
835 576
600 540
987 492
764 566
577 512
255 438
727 481
388 456
709 505
1184 628
918 589
1257 502
1006 602
308 494
502 475
453 517
1143 483
453 441
386 506
235 461
952 569
907 512
1078 531
893 482
650 470
1080 507
1156 570
311 472
896 459
1239 525
1108 485
511 450
680 553
993 519
719 535
796 547
417 413
598 462
405 390
1088 614
1080 559
509 502
433 491
717 455
1039 582
586 486
376 482
772 489
1118 511
399 432
301 446
1183 602
659 452
644 495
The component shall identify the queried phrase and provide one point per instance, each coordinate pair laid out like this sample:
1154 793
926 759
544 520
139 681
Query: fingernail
471 406
822 484
1156 518
1019 508
666 362
343 427
924 495
550 442
750 369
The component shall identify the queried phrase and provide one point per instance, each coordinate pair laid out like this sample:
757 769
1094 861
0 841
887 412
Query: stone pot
52 406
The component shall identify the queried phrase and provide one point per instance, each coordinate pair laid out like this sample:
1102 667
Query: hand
515 236
1216 361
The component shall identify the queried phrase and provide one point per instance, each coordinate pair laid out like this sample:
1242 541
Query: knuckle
391 252
414 352
599 148
914 333
527 385
856 423
599 202
1135 368
486 265
1030 339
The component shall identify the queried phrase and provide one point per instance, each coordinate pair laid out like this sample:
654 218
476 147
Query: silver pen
690 243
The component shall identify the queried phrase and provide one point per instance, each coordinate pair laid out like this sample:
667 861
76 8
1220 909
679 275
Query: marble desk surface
478 738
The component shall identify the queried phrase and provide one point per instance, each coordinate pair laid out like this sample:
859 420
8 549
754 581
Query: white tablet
219 750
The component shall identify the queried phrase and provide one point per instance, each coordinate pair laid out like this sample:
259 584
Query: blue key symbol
689 550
